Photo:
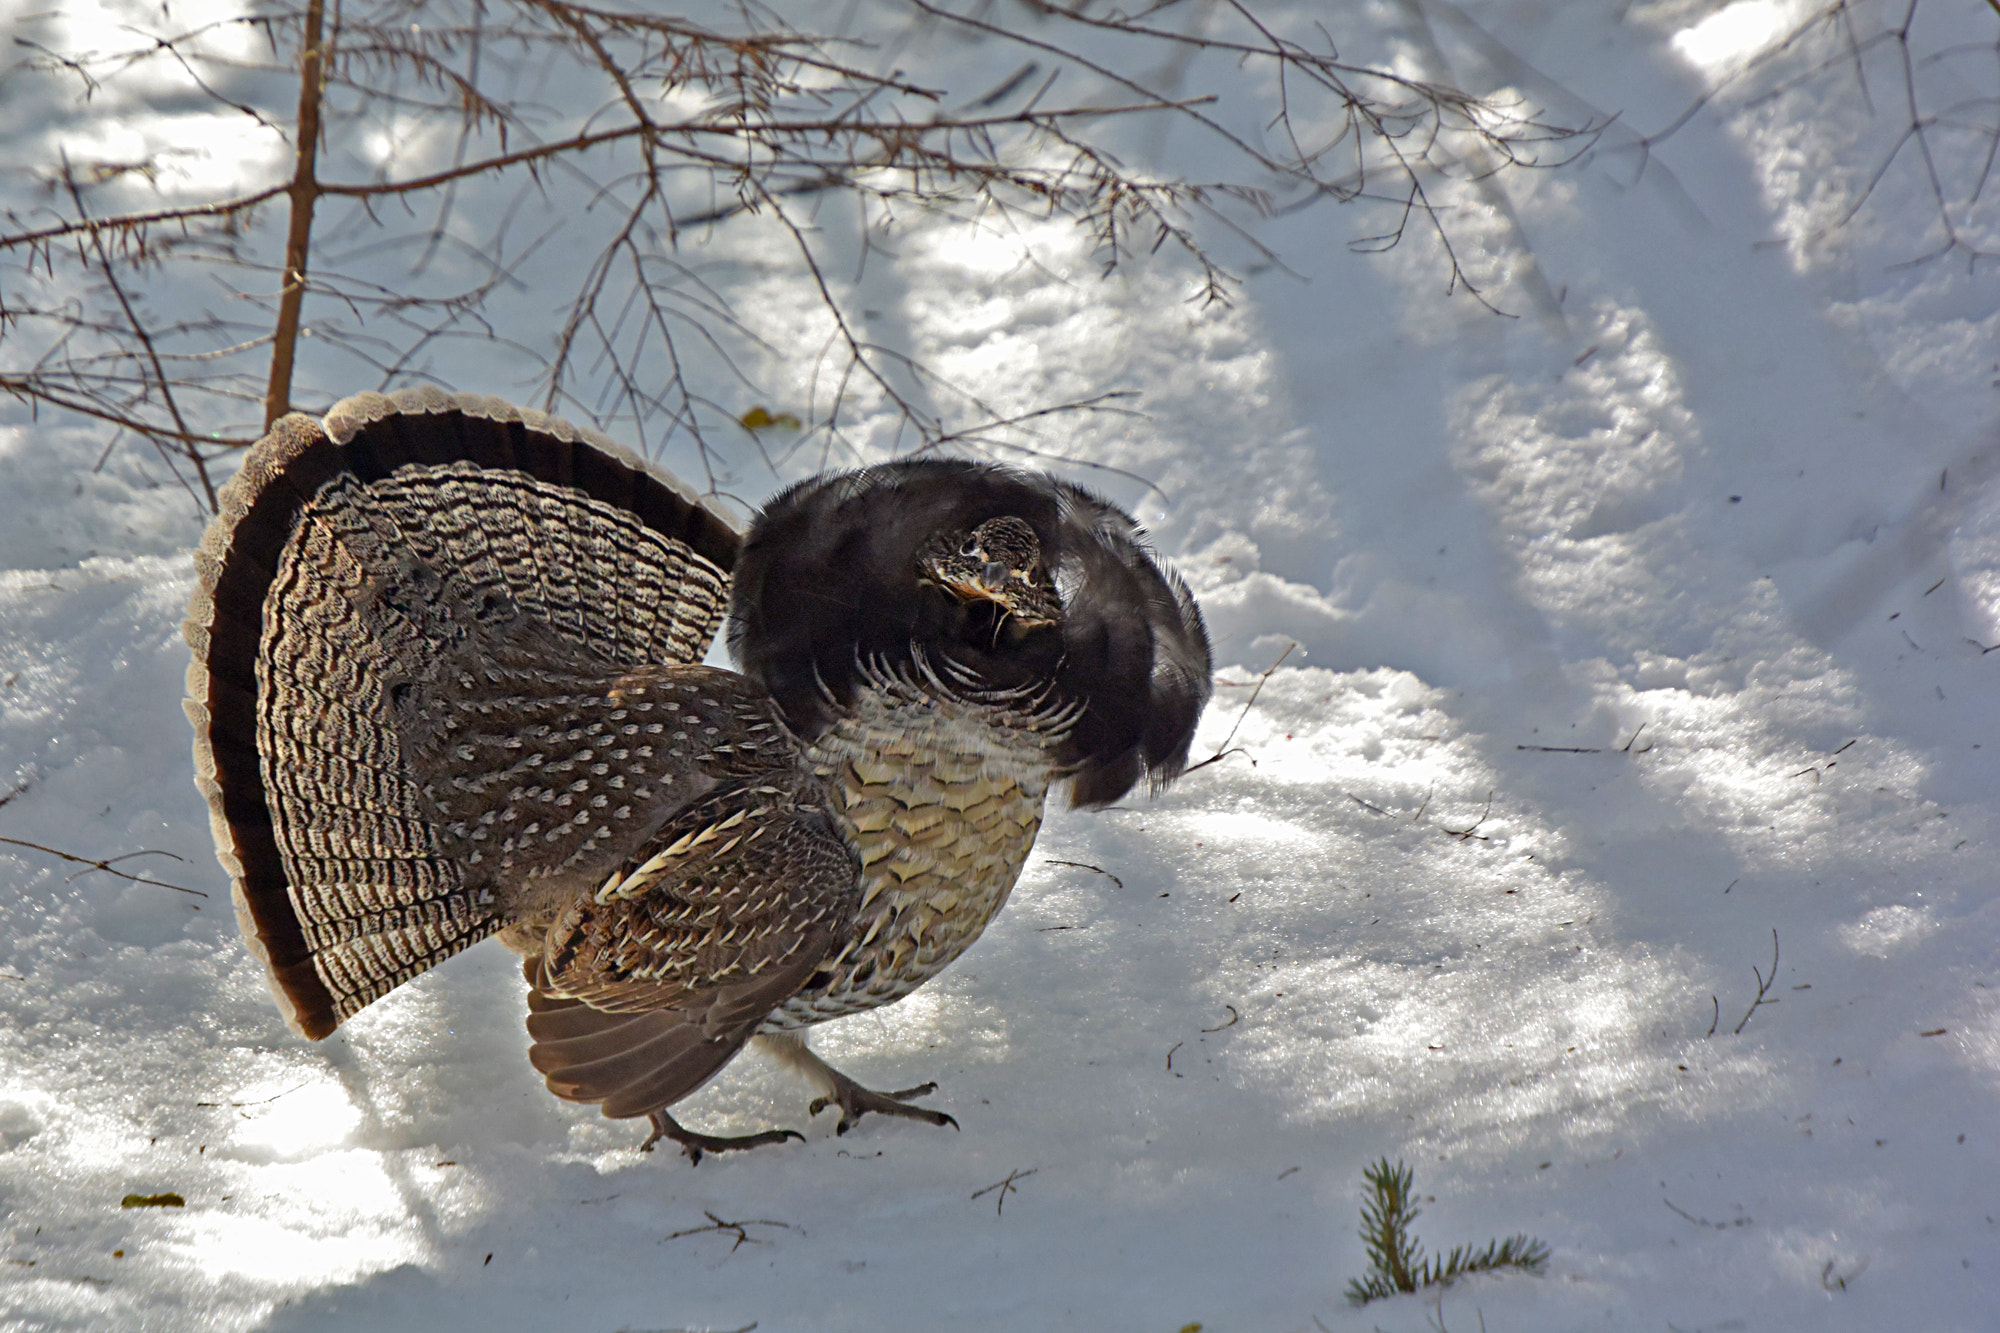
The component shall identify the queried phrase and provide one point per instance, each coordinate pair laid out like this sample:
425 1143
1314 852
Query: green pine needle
1397 1258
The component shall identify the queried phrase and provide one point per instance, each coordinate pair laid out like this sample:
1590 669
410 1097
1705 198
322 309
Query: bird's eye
971 546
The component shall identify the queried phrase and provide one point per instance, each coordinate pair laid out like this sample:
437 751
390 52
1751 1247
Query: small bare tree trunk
304 194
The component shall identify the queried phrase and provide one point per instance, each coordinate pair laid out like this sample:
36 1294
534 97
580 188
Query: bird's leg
693 1145
839 1090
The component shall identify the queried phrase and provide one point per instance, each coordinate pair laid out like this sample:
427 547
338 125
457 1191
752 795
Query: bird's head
1013 581
997 564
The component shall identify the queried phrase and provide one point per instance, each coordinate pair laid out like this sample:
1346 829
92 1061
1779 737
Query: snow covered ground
1633 630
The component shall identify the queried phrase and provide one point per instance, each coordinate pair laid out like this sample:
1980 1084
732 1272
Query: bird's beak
1028 606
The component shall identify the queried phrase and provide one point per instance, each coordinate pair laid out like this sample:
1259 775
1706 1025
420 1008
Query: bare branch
129 224
660 126
304 193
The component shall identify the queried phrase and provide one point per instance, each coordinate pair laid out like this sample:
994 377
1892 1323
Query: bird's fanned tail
353 566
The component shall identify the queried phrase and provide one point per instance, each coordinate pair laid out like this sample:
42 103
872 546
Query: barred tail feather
350 564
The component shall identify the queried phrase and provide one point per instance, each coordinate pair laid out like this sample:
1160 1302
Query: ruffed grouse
445 686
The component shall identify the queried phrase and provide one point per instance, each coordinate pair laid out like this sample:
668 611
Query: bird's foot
856 1101
693 1145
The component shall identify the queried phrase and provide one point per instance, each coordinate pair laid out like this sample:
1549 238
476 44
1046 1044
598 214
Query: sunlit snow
1621 630
1736 32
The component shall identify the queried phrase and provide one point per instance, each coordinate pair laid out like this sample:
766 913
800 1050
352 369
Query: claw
693 1145
856 1101
853 1100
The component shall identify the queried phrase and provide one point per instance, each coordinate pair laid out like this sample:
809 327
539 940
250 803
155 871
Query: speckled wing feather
360 585
646 987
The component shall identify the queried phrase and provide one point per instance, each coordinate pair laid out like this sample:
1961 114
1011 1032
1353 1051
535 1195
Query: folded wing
647 987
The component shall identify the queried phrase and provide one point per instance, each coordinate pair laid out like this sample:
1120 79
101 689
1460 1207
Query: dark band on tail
384 898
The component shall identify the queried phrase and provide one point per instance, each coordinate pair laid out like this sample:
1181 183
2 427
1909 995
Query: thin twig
261 1101
106 865
1463 834
1704 1222
161 382
1764 984
1081 865
1005 1187
739 1229
1223 749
